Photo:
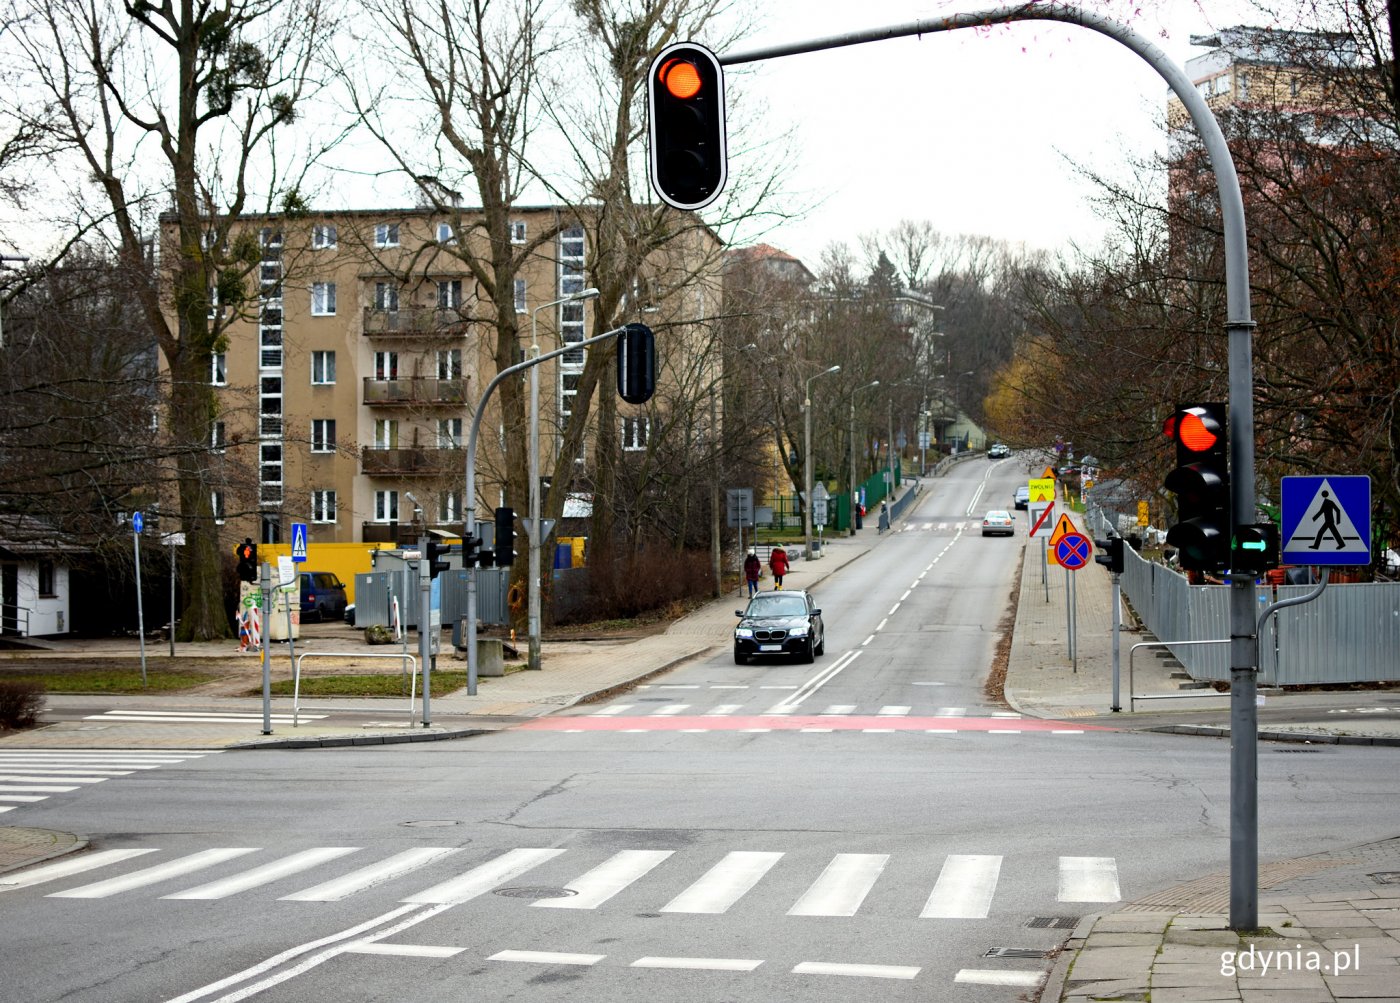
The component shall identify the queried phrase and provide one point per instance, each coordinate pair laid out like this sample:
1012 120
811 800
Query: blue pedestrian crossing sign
298 541
1326 520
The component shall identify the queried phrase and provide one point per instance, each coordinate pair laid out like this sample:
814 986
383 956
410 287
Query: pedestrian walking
778 562
884 517
753 570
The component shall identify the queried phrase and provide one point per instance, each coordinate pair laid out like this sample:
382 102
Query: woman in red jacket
778 561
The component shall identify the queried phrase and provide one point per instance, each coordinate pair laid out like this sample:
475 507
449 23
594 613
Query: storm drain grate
527 892
1015 952
1386 877
1300 750
1053 922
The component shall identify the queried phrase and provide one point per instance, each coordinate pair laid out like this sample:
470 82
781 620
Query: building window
568 390
571 325
449 507
323 237
449 364
270 471
517 231
218 438
386 365
386 506
216 505
269 237
46 582
386 235
386 433
323 435
322 368
323 506
450 294
218 374
214 302
445 234
323 299
635 432
449 433
386 296
519 295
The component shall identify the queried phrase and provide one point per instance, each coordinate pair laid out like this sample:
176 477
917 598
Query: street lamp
807 461
872 383
536 528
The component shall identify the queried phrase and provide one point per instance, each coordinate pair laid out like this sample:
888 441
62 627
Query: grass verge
115 681
385 685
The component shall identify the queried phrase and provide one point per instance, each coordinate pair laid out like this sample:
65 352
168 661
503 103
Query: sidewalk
1169 945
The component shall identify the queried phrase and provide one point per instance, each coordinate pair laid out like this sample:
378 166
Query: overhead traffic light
505 537
1201 482
636 364
685 94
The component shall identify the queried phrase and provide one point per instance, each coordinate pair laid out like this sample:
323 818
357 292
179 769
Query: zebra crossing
31 775
939 526
145 716
659 880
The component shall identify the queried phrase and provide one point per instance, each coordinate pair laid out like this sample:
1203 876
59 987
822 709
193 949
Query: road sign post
137 523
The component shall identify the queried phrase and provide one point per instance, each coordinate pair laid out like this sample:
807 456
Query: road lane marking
820 679
669 709
617 708
482 879
266 874
152 875
895 711
699 964
375 874
67 868
1089 879
867 640
860 971
839 708
547 957
607 879
843 886
724 884
965 887
997 977
893 609
403 950
724 708
881 625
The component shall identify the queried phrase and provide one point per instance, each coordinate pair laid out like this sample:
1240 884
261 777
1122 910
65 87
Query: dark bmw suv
779 623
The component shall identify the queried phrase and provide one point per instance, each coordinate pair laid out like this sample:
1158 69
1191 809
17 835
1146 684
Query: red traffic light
680 77
1195 428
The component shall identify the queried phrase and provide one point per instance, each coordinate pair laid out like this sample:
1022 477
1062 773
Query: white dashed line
700 964
997 977
547 957
881 625
867 640
864 971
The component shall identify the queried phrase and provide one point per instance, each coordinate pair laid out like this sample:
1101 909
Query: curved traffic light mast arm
469 502
1244 657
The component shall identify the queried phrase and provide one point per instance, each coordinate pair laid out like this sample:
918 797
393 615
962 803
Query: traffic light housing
471 551
247 555
1254 548
1109 553
436 556
505 537
636 364
685 96
1201 482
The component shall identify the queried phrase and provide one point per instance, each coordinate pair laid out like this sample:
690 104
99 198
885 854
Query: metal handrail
1164 696
402 656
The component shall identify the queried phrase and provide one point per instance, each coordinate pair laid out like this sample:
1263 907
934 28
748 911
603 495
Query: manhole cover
429 823
1387 877
1053 922
523 892
1015 952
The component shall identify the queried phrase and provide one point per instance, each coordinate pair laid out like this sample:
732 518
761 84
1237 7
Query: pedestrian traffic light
685 94
1201 482
436 556
1254 548
505 537
247 554
1109 553
636 364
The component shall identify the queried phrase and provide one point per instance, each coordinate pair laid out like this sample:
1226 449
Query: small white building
34 581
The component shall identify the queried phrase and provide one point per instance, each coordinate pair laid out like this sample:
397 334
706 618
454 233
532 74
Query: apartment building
351 381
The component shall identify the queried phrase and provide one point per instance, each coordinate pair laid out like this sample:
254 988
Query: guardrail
402 656
1193 695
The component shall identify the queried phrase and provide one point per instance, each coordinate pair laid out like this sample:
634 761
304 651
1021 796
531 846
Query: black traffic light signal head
1254 548
436 556
636 364
505 537
685 94
1109 553
1201 482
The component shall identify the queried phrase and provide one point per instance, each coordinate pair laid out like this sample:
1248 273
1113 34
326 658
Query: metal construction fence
1348 634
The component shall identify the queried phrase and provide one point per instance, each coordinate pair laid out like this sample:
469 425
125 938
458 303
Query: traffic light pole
425 625
1244 642
469 515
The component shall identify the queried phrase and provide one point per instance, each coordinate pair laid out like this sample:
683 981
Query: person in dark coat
753 570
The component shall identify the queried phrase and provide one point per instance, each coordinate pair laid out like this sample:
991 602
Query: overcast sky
975 130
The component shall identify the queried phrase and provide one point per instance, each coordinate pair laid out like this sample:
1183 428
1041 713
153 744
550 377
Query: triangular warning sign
1326 528
1061 528
1049 472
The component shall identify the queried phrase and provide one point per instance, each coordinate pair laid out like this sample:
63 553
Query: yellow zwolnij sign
1042 489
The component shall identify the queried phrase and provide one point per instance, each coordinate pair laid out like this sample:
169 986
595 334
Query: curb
1069 952
79 843
335 743
1298 737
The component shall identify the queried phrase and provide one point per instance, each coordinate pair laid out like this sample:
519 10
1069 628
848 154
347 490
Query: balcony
415 390
418 462
413 322
403 533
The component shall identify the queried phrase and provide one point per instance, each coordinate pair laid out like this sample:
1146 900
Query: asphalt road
862 828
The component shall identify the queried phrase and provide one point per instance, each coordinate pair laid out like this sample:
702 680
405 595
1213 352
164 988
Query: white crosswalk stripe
197 716
30 775
841 885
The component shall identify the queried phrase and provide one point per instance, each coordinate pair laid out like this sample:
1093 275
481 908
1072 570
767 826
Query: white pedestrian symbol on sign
1328 526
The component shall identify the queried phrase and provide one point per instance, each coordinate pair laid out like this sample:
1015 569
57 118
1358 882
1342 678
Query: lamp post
536 528
807 461
872 383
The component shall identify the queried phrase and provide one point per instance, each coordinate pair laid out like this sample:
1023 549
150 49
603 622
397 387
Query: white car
998 522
